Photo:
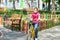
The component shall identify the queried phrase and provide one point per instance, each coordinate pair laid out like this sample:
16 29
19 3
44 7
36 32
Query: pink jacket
35 17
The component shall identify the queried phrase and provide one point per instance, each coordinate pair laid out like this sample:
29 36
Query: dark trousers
35 29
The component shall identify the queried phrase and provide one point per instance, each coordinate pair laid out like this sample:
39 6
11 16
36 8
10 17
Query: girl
35 19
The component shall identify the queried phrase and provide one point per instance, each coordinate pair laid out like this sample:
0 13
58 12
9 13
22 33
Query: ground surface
48 34
11 35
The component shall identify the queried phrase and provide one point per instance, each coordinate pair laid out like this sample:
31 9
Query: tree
38 3
59 4
0 1
53 6
13 3
47 2
28 3
17 0
31 2
49 5
6 2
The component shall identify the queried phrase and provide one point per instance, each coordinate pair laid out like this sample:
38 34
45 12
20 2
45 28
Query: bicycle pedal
29 30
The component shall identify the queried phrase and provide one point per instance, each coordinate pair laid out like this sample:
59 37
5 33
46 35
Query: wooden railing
49 16
43 20
46 21
1 9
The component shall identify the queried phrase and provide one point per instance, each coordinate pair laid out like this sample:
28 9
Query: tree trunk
13 4
28 3
46 5
17 0
6 2
31 2
53 7
59 4
38 3
0 1
49 5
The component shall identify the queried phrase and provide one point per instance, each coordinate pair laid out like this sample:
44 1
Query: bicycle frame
30 32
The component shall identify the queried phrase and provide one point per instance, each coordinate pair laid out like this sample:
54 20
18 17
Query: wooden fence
47 21
49 16
0 20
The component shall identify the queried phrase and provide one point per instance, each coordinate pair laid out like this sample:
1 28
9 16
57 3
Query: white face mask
35 10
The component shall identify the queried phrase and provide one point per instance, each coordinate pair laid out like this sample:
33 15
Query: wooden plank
0 20
1 9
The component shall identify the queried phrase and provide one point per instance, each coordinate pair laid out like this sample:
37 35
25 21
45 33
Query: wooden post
25 25
38 4
0 20
59 21
21 24
49 16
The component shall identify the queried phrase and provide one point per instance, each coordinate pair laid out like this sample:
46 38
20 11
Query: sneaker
36 39
31 38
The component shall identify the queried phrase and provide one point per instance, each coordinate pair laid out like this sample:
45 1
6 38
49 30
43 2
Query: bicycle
31 34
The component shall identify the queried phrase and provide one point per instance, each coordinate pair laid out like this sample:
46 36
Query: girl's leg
36 30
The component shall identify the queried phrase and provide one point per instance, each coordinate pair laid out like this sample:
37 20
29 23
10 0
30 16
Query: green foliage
41 11
45 1
23 12
1 12
11 0
50 23
10 12
58 12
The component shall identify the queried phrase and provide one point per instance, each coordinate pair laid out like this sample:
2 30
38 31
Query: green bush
23 12
1 13
57 11
47 12
50 23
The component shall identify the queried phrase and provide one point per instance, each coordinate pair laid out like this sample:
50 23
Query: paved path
48 34
12 35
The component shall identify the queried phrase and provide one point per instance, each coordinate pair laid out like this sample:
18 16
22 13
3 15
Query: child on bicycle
35 18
